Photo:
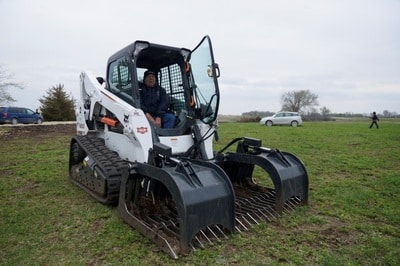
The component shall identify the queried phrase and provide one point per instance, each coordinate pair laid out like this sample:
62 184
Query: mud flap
287 172
202 193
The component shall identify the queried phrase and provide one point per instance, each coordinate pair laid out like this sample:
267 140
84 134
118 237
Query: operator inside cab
154 102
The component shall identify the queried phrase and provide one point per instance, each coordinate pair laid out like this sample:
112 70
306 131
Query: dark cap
148 72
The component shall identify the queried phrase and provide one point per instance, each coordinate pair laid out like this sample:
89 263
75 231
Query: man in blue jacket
154 102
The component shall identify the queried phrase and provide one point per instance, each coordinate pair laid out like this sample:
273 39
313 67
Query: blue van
15 115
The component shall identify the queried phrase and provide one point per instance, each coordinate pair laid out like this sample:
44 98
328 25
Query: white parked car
282 118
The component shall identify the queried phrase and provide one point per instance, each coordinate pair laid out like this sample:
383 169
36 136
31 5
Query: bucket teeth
253 209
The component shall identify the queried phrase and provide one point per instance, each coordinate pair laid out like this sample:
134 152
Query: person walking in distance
375 120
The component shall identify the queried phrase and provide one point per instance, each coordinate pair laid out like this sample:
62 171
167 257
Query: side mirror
100 80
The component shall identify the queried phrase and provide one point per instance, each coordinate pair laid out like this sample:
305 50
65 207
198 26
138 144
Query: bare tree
325 112
297 101
5 85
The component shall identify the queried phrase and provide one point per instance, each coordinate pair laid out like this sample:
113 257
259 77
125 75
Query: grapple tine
263 204
237 229
273 213
212 232
221 232
251 217
243 217
264 214
241 224
290 206
248 211
258 205
172 232
206 237
255 207
196 239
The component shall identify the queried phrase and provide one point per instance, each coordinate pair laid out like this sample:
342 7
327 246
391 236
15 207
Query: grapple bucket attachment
287 172
178 207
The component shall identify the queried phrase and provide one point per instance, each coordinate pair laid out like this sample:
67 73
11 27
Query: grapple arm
202 195
286 171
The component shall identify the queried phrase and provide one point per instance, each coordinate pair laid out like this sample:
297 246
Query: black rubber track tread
108 161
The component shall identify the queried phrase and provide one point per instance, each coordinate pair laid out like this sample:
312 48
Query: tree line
305 102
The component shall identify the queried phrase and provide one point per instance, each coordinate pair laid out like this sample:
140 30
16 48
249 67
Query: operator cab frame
176 70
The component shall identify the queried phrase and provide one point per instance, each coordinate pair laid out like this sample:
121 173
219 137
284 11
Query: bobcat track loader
170 184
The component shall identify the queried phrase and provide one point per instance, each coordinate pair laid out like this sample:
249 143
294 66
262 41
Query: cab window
120 79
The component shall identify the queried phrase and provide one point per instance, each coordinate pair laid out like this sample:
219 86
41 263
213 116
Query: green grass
353 216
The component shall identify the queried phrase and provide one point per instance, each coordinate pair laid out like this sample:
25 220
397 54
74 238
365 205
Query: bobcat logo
141 130
126 118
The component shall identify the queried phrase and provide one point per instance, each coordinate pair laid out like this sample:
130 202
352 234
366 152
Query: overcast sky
345 51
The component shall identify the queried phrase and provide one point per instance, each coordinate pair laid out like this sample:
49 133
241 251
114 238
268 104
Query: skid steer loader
170 184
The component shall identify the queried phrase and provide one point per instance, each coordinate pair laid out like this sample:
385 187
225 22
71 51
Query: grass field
353 216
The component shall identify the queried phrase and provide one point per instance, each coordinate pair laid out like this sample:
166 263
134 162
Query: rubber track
108 161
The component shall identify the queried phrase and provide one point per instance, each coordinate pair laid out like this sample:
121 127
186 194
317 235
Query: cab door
205 73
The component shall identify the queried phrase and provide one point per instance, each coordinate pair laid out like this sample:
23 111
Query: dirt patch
36 131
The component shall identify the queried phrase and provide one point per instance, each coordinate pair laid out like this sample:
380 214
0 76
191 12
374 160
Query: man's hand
156 121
